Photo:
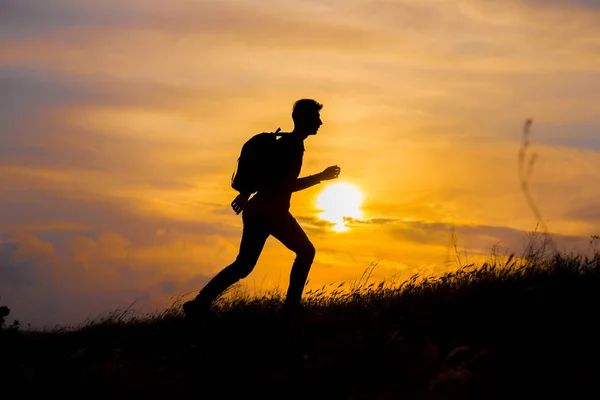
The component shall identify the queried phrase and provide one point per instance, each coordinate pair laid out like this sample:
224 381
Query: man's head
307 117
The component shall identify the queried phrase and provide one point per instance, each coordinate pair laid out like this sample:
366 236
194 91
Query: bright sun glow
337 201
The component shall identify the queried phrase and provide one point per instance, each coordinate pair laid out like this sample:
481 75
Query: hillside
510 328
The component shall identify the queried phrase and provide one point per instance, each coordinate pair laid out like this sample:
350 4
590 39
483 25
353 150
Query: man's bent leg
253 240
287 230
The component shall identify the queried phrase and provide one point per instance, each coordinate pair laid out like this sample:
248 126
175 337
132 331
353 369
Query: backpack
255 163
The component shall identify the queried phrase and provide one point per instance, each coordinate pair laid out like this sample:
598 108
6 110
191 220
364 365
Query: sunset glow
339 200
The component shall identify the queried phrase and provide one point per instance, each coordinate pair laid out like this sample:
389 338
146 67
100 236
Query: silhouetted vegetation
509 327
4 312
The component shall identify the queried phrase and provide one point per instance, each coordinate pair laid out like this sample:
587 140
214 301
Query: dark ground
515 330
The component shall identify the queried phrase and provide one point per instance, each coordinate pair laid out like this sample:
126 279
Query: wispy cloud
96 277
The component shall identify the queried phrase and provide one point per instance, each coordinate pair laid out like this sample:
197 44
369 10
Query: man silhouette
267 213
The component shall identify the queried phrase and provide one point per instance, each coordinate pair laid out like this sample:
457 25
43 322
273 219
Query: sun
339 200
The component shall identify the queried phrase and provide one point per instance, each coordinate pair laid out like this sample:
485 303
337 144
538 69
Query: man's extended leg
254 236
287 230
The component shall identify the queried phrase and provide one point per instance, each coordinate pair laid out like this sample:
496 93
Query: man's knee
307 252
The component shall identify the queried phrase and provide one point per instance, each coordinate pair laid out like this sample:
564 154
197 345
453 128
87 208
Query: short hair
304 107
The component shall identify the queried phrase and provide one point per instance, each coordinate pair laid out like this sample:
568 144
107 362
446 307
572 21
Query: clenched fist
330 173
240 202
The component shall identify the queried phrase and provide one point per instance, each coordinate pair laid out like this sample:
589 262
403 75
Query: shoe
193 310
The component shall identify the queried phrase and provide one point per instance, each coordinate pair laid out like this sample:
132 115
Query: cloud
585 209
104 136
476 36
567 4
55 212
29 90
374 221
96 277
314 224
242 21
481 238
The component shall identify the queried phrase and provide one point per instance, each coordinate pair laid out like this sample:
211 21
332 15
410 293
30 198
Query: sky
120 125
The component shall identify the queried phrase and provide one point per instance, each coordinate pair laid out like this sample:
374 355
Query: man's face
313 122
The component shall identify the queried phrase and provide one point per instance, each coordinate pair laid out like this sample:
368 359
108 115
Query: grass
508 327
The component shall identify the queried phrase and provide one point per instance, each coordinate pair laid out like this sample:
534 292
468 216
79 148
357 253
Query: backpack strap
237 163
279 133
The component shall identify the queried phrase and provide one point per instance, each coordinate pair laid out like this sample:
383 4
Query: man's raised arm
308 181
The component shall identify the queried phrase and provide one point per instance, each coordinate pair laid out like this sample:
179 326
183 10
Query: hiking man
267 213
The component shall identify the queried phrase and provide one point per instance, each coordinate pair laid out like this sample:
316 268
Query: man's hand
330 173
240 202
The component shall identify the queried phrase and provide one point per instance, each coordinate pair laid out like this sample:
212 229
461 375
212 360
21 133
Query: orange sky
120 125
